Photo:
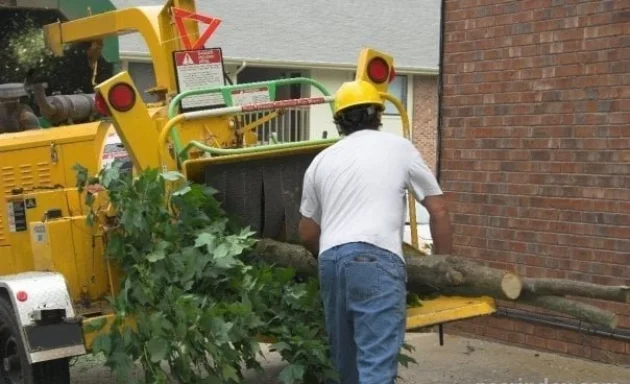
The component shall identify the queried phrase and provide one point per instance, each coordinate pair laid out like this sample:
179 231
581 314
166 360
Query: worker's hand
441 230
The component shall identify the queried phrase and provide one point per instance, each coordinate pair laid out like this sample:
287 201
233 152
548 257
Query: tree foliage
200 301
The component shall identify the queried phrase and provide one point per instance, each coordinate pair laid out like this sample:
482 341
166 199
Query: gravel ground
459 361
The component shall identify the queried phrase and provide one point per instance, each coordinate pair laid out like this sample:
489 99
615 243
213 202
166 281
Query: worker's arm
309 234
441 230
310 208
425 188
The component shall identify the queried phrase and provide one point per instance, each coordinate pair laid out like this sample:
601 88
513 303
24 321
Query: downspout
440 87
239 70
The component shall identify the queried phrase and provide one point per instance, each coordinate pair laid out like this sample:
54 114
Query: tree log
560 287
427 274
578 310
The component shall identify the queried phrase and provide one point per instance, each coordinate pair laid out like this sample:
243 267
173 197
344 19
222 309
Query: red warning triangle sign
181 14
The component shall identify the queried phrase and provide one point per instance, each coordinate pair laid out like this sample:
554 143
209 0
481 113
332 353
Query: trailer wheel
15 368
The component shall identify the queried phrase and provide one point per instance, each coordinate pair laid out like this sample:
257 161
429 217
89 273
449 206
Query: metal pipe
562 322
62 108
239 70
440 88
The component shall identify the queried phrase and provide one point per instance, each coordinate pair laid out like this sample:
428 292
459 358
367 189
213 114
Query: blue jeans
363 288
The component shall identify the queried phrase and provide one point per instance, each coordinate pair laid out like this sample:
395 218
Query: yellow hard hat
353 93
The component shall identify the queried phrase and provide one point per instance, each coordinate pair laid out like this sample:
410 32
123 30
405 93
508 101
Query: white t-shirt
355 189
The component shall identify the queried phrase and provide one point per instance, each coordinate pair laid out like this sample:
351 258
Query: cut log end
511 286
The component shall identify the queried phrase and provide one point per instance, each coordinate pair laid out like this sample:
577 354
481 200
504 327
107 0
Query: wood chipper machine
53 275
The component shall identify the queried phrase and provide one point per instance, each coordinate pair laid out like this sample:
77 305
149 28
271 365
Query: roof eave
145 57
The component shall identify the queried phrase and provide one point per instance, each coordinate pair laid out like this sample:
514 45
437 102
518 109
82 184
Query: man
352 219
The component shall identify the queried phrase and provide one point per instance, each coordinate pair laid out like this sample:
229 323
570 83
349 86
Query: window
398 89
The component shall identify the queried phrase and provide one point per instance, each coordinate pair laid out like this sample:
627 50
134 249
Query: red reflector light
22 296
101 105
378 70
121 97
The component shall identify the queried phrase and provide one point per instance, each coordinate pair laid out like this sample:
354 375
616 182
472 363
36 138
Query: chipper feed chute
263 193
260 186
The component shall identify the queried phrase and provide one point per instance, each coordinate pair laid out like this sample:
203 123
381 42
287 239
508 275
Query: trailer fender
43 309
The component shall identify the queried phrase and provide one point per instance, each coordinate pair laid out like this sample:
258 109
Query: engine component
60 109
15 116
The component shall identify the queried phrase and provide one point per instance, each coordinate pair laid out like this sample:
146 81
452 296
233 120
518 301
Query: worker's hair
357 118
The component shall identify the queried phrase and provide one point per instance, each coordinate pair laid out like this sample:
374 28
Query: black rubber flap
264 194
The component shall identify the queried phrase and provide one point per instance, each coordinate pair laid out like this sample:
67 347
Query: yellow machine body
42 221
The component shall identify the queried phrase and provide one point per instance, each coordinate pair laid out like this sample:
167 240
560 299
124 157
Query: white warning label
250 96
198 69
39 233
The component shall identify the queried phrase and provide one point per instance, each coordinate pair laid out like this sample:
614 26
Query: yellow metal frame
153 23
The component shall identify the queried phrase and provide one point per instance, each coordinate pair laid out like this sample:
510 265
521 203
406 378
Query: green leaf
102 343
221 251
280 346
94 325
112 173
172 176
182 191
404 360
157 349
159 253
229 372
292 373
207 240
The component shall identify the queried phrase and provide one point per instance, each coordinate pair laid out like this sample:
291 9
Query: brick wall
424 125
536 150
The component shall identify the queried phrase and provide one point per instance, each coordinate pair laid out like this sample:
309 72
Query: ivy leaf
157 349
292 373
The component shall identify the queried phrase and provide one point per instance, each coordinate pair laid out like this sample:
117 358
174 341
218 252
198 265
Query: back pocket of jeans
363 277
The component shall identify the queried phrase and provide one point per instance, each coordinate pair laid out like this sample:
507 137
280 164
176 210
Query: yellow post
402 111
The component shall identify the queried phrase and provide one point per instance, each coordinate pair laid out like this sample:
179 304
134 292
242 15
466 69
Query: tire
14 366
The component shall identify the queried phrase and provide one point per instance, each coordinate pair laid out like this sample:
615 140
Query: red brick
557 345
535 341
579 350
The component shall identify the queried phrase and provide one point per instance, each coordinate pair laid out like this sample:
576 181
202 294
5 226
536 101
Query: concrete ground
458 361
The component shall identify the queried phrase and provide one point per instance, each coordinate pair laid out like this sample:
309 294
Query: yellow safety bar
413 225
